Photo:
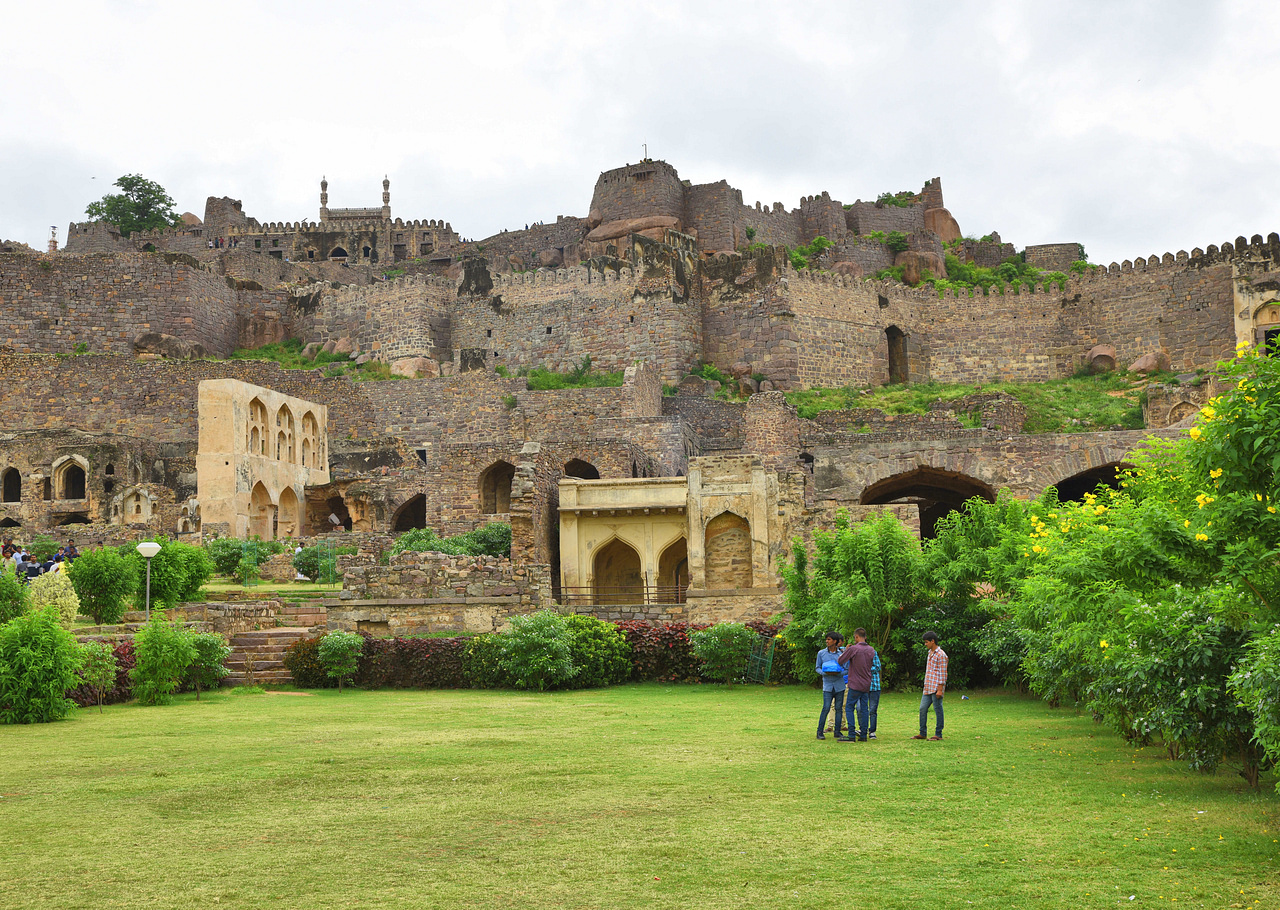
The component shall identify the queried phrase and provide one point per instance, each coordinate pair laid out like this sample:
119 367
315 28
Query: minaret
53 239
386 198
324 200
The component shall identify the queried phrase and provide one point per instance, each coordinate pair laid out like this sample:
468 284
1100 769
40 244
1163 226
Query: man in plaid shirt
873 697
935 683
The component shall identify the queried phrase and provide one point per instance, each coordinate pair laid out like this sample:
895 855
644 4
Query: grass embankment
633 797
1072 405
288 354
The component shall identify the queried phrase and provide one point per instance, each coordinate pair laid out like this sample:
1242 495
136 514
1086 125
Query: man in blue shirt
832 683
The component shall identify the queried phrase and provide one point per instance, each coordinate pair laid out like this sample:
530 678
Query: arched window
495 488
583 470
12 485
337 253
69 480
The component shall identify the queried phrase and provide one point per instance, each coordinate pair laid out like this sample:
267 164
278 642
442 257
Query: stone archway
616 575
727 552
583 470
495 488
673 572
411 515
262 513
1073 488
935 491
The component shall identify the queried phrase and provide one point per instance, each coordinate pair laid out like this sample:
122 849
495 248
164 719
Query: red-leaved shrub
661 651
411 663
123 689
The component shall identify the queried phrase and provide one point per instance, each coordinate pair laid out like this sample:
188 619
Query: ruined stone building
653 486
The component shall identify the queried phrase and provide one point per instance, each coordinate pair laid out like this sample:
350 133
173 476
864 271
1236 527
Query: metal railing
603 595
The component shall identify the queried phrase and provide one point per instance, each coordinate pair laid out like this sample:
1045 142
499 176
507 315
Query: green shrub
1256 683
14 596
320 562
54 589
599 651
536 652
723 650
302 660
43 548
177 572
903 199
339 654
494 539
104 581
163 650
246 571
225 553
898 242
98 668
482 662
209 665
39 662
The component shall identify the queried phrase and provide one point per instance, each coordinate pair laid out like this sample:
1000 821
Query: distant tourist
935 683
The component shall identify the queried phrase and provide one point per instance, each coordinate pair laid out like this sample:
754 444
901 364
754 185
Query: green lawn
638 796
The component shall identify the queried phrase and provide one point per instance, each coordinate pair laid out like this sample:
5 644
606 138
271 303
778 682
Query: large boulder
914 263
612 230
1101 358
1150 362
941 223
415 368
168 346
550 259
852 269
310 350
344 346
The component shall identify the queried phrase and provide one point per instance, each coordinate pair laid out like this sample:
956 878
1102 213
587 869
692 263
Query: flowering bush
54 589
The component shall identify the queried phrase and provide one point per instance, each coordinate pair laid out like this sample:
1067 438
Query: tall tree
142 205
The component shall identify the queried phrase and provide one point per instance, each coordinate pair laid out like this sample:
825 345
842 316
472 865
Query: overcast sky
1133 128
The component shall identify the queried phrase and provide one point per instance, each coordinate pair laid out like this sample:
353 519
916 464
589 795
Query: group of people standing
22 563
851 684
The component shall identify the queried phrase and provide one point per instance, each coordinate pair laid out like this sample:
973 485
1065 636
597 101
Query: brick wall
637 190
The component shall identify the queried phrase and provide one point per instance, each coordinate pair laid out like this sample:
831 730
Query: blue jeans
930 699
856 700
873 706
828 696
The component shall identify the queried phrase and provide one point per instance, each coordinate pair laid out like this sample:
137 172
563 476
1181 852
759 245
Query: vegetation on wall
288 354
141 205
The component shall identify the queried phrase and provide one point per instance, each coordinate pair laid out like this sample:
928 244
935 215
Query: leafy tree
39 662
494 539
54 589
164 650
209 665
104 581
864 574
319 562
536 653
1256 682
42 548
98 668
14 595
177 572
724 650
141 205
339 654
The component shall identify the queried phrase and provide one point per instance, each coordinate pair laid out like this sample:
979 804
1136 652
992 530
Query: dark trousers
856 700
828 697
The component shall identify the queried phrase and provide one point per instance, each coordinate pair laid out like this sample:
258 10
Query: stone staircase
257 657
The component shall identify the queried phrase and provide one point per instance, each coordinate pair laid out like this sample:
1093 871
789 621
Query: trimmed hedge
411 663
606 653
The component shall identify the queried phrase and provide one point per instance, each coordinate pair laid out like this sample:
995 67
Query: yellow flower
1103 527
1216 473
1187 523
1258 496
1098 510
1209 413
1271 509
1202 537
1194 432
1103 643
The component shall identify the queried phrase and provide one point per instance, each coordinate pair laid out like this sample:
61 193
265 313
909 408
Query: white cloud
1133 128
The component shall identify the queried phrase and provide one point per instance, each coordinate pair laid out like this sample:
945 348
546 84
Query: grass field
640 796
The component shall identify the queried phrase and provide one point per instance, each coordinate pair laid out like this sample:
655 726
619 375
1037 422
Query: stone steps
262 652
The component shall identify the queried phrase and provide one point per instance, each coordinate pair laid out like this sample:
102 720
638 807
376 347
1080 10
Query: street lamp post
148 548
